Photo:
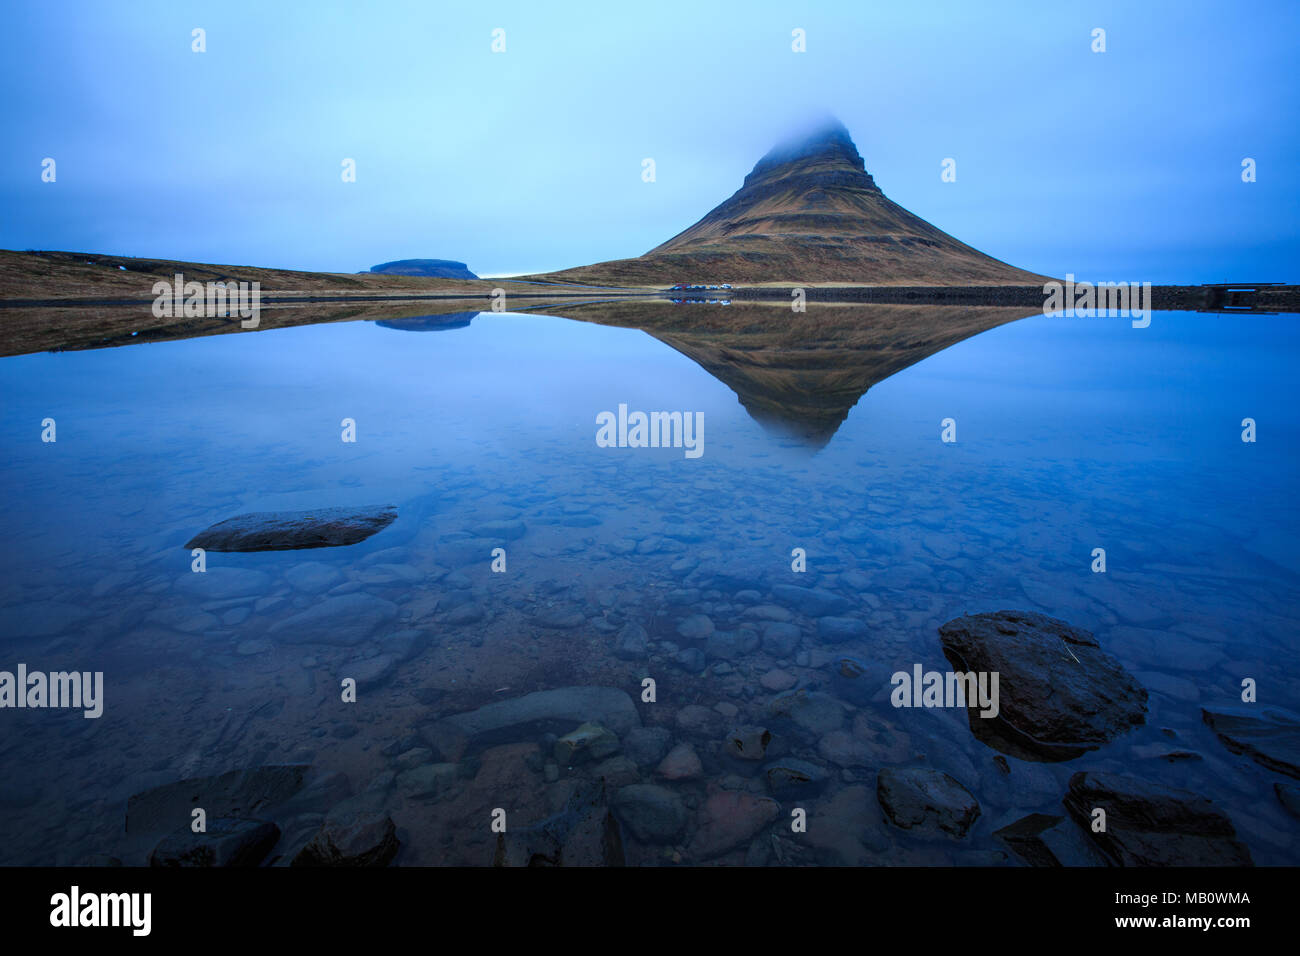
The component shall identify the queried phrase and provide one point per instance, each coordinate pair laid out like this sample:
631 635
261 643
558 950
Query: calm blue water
1072 434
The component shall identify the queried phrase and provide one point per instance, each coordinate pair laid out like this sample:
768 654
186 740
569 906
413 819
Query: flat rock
1044 839
294 530
730 818
632 643
428 780
654 814
221 583
40 619
647 745
792 777
545 711
249 793
559 618
344 620
814 711
778 680
681 763
697 627
1059 694
505 530
813 602
1270 736
927 801
781 639
313 577
373 671
834 630
227 842
1149 824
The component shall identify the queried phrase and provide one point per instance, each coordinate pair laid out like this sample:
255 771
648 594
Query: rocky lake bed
520 695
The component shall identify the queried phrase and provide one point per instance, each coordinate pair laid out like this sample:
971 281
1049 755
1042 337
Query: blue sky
1117 165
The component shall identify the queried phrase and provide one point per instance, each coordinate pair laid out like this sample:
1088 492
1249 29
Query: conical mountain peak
824 143
809 212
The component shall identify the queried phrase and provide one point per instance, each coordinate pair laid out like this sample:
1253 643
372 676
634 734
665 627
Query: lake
625 563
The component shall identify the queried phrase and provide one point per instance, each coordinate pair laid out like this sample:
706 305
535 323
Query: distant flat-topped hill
809 212
439 268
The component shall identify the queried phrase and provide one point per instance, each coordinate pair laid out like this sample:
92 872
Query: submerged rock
748 743
344 620
294 530
814 602
928 801
313 577
352 838
633 642
647 745
654 814
1270 736
792 777
1059 694
227 842
590 741
729 818
1149 824
1043 839
219 584
681 763
235 794
555 711
584 833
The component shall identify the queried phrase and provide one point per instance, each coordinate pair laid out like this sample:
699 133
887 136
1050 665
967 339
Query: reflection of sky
1123 165
266 404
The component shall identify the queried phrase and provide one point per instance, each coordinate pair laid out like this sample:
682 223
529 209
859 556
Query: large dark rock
1059 693
438 268
1043 839
352 837
1270 736
294 530
227 842
1149 824
235 794
926 801
584 833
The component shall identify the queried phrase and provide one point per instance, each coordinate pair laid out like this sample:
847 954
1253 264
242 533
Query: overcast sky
1122 165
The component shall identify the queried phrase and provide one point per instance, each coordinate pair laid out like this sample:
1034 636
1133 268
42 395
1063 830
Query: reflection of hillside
430 323
46 329
798 374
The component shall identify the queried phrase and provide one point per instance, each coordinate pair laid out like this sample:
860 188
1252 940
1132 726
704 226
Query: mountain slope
809 212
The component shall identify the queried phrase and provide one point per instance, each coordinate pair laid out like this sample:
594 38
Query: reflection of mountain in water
799 374
430 323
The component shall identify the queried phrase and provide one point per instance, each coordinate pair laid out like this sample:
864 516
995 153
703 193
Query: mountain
439 268
809 212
